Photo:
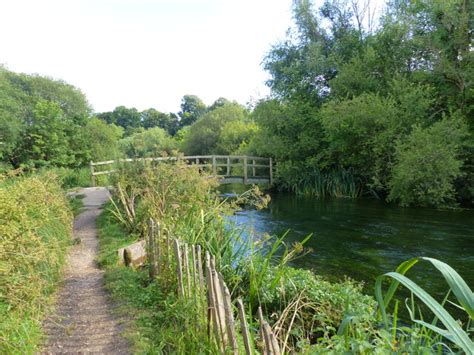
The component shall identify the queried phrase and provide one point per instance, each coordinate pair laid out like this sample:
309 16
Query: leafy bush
35 229
427 164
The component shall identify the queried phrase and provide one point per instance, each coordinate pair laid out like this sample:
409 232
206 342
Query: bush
35 229
427 164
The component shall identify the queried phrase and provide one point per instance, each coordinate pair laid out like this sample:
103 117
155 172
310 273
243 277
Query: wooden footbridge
227 168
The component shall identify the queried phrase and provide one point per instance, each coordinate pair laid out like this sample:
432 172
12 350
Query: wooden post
214 167
179 271
244 327
228 166
219 304
186 269
212 313
245 170
199 264
229 317
91 165
158 247
151 249
253 168
271 171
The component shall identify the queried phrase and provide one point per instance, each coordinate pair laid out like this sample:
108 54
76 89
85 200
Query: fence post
245 170
151 249
214 167
91 165
228 166
253 168
271 171
244 327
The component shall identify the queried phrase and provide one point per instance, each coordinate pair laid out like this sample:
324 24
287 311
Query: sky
145 53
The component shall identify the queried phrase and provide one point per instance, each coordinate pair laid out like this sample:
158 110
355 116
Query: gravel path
84 322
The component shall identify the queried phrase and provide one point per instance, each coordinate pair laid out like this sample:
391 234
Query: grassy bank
35 230
308 313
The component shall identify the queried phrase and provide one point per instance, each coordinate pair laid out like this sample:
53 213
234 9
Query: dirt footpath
84 321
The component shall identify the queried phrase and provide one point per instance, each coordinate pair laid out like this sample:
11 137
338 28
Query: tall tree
192 107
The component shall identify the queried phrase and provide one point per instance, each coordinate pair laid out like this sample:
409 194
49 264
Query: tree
102 139
208 135
192 108
152 118
154 142
127 118
40 120
45 141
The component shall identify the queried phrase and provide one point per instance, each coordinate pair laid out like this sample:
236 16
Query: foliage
40 120
35 229
347 92
192 108
464 296
427 163
220 131
153 142
102 139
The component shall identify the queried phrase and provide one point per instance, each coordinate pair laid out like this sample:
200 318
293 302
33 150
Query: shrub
427 165
35 227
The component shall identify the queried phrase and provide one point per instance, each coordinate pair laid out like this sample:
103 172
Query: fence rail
228 168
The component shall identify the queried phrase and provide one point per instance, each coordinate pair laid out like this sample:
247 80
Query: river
364 238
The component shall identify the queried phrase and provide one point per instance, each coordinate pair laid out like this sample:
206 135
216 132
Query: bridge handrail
244 161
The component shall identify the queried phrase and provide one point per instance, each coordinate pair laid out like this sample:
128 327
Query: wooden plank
105 172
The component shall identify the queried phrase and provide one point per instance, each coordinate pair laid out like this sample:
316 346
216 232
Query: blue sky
145 53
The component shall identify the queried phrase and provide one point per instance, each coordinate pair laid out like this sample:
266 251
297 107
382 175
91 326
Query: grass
76 204
35 229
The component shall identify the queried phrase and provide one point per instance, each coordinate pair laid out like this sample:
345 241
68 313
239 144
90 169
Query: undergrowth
35 231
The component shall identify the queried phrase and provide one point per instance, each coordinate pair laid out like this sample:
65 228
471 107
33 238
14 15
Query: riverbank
327 316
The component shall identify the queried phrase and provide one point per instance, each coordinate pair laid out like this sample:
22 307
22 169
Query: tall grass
317 183
452 331
35 230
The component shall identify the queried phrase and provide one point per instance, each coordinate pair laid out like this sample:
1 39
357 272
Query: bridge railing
228 168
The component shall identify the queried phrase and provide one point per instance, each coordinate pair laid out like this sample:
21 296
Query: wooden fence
199 281
228 168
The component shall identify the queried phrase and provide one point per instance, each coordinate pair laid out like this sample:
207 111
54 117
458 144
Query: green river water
364 238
